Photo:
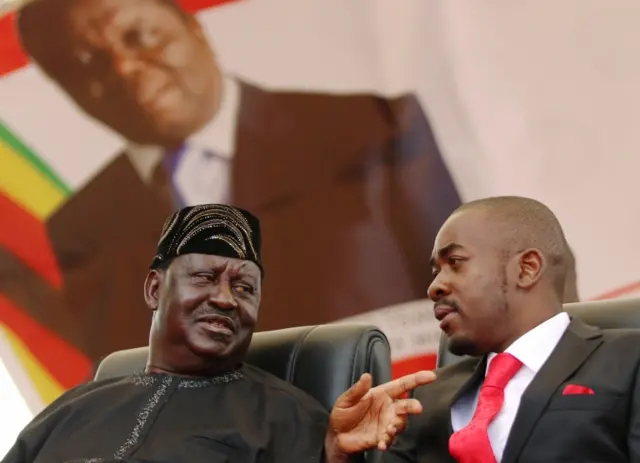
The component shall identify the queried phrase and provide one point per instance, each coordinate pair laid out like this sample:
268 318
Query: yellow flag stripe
12 140
26 186
44 383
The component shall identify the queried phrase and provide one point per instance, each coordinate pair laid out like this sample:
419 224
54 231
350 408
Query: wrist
332 453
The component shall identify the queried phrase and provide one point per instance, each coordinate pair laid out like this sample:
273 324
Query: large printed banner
351 129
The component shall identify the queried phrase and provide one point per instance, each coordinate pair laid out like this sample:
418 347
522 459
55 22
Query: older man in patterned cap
197 401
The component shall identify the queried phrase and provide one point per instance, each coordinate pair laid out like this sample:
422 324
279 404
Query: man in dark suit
542 387
349 188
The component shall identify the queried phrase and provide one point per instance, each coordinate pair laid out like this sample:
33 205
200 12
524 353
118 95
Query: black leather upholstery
611 314
323 360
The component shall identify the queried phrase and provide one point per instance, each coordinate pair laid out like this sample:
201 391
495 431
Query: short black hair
527 223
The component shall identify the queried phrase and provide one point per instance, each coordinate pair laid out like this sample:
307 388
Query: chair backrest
324 360
611 314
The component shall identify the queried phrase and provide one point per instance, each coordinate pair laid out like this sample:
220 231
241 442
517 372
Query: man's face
139 66
210 304
469 285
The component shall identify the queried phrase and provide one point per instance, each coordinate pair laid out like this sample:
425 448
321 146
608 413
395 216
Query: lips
441 311
217 323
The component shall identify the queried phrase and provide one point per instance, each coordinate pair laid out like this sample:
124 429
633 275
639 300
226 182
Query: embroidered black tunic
244 416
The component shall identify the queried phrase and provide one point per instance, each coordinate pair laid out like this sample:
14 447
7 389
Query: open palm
365 417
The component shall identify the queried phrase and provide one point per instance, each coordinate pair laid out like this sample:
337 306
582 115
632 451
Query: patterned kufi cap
215 229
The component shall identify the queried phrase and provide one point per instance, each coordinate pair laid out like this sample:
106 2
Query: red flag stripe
11 54
65 363
12 57
619 292
26 237
412 364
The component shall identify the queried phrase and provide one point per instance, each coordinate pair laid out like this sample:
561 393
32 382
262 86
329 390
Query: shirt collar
534 347
218 135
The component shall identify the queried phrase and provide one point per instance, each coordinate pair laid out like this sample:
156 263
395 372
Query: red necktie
471 444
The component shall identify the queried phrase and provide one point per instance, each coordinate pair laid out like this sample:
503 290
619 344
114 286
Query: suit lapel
473 382
113 222
462 380
578 342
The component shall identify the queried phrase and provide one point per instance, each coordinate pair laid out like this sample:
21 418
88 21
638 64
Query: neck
181 361
157 368
530 318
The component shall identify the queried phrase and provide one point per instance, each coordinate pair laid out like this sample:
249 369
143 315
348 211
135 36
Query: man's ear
152 288
531 265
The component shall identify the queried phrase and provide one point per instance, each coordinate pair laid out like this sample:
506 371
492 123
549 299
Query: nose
438 288
222 297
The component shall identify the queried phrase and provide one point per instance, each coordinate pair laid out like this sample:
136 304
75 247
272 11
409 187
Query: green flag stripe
22 149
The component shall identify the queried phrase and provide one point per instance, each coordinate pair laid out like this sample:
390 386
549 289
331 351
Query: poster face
351 131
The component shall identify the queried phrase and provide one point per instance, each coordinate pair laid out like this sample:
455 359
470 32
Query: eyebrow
242 271
247 266
246 276
444 252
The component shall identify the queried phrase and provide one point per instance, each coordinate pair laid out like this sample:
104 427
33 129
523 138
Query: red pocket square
576 389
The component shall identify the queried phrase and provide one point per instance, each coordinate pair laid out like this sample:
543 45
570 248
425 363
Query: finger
385 442
386 436
407 383
401 427
408 407
397 425
355 393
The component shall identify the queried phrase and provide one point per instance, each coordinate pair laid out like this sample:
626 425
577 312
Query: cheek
190 296
248 313
481 297
172 316
186 53
178 53
180 307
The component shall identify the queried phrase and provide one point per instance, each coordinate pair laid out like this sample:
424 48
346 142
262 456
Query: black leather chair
323 360
611 314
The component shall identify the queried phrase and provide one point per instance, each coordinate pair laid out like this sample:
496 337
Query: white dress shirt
532 349
203 174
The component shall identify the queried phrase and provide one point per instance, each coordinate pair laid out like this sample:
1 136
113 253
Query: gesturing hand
364 417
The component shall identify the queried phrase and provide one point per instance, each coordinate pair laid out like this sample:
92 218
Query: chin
161 127
459 345
208 346
175 128
210 351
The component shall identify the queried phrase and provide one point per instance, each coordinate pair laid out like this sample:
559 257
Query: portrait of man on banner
350 187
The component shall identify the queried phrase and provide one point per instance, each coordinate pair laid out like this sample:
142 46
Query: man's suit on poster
350 190
551 425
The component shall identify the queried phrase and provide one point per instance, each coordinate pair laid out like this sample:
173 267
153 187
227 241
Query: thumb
355 393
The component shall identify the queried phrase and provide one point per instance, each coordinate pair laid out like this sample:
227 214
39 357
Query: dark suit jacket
549 426
340 183
350 191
